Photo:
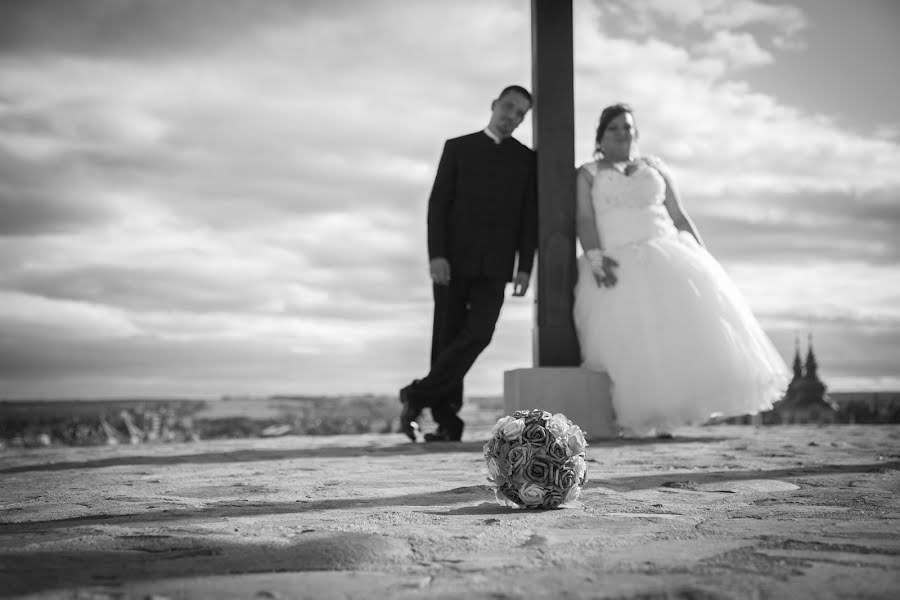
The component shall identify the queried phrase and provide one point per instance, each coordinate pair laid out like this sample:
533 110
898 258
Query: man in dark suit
482 213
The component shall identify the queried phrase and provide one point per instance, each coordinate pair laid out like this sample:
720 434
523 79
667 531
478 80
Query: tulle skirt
676 337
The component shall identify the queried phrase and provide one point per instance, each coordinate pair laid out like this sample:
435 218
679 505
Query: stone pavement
716 512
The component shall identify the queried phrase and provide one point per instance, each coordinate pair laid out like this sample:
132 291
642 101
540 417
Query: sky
223 197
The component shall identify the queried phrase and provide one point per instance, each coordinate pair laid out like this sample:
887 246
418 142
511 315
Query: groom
482 213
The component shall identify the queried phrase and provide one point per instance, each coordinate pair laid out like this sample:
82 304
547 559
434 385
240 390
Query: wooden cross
553 118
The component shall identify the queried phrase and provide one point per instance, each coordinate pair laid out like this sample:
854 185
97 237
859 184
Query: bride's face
619 137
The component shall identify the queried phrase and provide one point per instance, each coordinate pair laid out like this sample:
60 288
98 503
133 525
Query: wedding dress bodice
629 209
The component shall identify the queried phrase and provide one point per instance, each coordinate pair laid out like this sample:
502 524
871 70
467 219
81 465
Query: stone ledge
581 394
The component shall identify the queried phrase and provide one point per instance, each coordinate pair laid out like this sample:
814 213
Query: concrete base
582 395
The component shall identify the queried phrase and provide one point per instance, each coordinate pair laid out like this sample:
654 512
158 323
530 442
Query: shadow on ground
627 484
455 496
237 509
129 556
252 455
147 557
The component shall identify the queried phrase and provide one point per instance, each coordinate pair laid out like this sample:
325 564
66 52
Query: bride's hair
609 113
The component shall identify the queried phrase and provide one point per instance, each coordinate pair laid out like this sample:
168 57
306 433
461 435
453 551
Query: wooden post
553 117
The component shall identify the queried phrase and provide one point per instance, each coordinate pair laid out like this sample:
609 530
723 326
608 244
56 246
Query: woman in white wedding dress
652 307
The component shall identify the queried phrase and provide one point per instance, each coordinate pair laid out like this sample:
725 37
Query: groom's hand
520 285
440 271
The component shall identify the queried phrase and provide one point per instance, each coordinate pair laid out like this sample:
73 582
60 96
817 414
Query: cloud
147 29
45 195
229 197
673 19
797 227
738 49
245 196
825 289
246 115
784 18
888 131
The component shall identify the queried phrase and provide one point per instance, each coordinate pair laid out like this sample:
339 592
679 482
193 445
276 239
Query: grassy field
136 421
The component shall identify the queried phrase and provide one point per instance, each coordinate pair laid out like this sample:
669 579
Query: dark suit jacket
483 210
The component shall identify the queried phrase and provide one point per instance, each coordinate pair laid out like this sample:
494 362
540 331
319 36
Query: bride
652 307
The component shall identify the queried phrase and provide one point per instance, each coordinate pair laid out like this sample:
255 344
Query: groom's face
507 113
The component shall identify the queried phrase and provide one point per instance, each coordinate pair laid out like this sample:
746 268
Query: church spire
811 364
798 366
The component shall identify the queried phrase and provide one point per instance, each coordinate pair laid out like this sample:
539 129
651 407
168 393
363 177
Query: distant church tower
805 400
798 366
811 365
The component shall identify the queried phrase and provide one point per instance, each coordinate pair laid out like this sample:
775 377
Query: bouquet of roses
536 460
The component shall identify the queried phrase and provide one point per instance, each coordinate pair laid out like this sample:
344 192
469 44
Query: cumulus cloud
223 173
672 19
737 49
230 197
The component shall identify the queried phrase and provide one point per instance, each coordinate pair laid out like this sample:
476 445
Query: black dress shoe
438 436
408 415
447 434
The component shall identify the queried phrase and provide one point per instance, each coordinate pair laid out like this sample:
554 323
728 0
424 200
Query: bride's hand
607 275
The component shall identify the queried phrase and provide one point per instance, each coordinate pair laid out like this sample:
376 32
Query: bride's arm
586 230
585 226
672 202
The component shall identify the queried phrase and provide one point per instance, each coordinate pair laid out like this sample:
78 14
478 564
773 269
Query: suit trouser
468 309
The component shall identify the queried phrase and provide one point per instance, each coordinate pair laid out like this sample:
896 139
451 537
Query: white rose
579 466
498 426
572 494
558 425
531 494
493 469
576 440
513 429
